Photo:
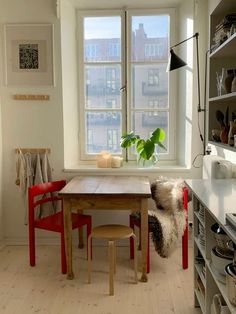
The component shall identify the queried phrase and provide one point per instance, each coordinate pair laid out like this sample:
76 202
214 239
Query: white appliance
216 167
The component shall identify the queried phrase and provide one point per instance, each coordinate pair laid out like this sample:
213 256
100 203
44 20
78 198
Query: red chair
45 193
135 221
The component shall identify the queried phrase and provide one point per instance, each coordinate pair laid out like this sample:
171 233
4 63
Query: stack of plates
201 212
201 236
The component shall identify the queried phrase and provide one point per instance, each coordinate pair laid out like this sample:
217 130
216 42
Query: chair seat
112 232
54 222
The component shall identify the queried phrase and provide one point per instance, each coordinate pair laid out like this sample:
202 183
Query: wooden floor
43 289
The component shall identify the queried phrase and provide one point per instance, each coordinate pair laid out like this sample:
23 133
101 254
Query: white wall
29 123
40 124
69 82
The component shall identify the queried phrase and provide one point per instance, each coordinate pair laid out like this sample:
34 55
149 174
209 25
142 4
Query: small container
231 283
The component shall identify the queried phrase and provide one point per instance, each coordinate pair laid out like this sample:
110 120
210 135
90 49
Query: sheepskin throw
169 217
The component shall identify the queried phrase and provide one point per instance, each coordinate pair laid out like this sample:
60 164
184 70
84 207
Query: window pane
103 130
102 38
144 123
102 89
150 38
150 85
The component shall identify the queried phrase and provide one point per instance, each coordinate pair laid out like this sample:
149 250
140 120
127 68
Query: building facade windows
153 77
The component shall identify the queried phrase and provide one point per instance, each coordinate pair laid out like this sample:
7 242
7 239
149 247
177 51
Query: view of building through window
147 105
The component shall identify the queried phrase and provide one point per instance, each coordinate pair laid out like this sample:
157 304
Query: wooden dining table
108 193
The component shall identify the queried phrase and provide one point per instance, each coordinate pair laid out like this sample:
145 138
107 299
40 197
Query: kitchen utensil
231 283
219 261
220 117
221 239
218 305
224 169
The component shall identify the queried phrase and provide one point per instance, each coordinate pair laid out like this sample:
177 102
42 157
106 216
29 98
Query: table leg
68 237
80 233
144 237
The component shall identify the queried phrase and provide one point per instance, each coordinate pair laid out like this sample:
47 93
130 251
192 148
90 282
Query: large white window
123 83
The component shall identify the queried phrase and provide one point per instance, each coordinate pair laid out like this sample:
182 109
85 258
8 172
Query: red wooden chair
135 221
45 193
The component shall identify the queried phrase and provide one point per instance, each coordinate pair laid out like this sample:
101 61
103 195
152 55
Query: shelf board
200 247
200 220
224 146
226 49
224 7
200 300
199 268
224 98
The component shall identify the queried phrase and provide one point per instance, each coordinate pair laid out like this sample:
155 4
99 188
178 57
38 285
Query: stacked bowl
222 253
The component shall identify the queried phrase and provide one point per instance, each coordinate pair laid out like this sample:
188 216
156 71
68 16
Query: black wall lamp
176 62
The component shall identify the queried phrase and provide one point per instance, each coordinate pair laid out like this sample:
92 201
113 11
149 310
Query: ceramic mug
217 306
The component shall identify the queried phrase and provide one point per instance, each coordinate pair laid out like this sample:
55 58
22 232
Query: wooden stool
112 233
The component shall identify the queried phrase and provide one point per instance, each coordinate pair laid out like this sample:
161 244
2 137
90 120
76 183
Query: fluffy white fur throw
169 217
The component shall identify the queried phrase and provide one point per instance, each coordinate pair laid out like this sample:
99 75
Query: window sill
128 168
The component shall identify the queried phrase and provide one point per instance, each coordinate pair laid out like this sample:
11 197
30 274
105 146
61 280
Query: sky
109 27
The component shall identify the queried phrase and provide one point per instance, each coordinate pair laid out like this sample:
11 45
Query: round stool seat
112 232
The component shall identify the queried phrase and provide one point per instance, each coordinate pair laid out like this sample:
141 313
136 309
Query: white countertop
218 195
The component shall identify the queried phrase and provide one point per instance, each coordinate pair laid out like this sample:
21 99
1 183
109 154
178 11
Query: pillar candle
104 160
116 162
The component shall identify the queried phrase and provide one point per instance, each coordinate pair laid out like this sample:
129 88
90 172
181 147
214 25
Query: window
114 49
112 140
124 85
153 77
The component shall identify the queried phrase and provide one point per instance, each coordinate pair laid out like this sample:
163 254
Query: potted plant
145 148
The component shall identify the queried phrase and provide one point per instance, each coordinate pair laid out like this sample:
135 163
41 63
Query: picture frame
29 54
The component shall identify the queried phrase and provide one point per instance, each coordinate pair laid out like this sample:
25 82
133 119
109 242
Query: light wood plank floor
43 289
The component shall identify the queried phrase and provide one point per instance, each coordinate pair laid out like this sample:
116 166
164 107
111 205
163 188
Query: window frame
126 93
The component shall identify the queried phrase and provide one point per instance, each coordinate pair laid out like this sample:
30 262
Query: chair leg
135 258
31 245
111 267
81 238
89 258
89 229
131 241
185 235
63 255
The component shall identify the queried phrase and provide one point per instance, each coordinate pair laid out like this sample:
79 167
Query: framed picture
29 54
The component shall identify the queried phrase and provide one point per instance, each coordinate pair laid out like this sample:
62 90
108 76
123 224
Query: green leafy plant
145 148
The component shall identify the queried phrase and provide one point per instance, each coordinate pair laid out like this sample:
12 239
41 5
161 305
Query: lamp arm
183 41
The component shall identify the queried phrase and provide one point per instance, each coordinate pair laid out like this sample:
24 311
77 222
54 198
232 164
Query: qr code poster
29 54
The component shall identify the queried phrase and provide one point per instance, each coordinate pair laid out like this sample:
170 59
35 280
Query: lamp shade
174 62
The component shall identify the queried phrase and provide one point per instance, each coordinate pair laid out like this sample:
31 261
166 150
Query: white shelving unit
212 199
223 56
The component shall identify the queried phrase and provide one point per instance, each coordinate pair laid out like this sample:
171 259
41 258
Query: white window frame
125 66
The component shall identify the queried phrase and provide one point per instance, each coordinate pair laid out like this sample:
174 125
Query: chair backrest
43 189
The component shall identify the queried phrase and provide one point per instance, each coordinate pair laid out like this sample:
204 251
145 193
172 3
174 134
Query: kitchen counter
218 195
212 200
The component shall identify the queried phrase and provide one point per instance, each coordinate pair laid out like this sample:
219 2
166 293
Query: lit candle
104 160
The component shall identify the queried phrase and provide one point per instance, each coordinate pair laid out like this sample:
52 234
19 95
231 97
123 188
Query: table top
110 186
218 195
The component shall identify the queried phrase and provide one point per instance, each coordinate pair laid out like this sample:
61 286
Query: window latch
123 88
